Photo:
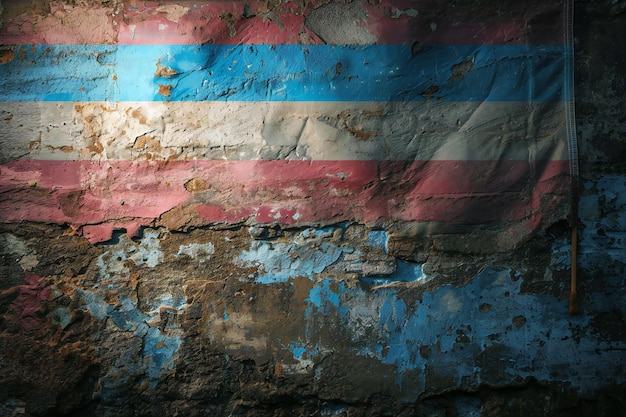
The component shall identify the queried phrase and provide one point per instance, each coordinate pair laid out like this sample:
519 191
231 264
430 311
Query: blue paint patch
127 319
378 239
112 262
159 353
308 255
323 297
159 350
200 251
561 254
168 300
283 73
149 251
323 300
332 410
521 335
298 350
94 303
61 316
602 240
603 213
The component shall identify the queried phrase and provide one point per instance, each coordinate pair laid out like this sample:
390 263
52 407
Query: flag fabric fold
423 118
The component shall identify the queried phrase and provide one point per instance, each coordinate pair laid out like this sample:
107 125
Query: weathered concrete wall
182 316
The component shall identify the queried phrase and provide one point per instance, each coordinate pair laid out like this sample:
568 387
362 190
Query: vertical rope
570 124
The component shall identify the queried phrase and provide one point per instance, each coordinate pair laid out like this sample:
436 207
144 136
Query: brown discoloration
138 114
70 203
165 89
93 118
64 149
416 47
519 321
230 21
35 145
196 185
484 307
180 218
362 134
15 8
430 91
147 143
460 70
95 146
164 72
6 55
374 113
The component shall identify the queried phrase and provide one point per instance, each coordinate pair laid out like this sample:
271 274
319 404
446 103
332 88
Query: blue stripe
282 73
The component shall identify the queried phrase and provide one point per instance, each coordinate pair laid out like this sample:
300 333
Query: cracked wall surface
147 266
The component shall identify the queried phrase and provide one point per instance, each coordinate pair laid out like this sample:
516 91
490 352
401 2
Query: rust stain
279 371
147 143
361 134
374 113
98 55
93 127
8 118
137 114
95 145
70 202
35 145
134 280
111 297
229 21
71 230
64 149
430 91
6 56
196 185
165 90
460 70
163 72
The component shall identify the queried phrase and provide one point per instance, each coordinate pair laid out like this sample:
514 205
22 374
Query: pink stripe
126 194
391 21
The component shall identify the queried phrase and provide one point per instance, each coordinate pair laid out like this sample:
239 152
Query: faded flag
428 118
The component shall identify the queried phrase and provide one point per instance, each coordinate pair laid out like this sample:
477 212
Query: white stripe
278 130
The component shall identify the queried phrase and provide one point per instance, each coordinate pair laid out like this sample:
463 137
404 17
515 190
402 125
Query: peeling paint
447 323
309 254
200 251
